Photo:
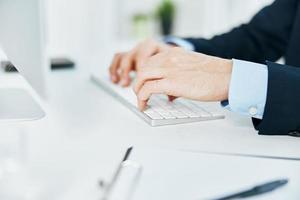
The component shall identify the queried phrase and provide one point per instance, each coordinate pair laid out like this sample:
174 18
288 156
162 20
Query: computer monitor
22 39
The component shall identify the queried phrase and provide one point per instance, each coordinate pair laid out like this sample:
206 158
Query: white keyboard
160 111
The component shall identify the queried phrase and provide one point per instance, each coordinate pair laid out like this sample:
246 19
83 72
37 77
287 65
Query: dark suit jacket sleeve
264 38
282 108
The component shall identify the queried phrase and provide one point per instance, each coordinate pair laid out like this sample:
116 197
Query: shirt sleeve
179 42
248 89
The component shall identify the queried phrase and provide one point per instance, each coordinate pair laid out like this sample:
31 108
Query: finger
149 73
149 59
113 69
149 88
152 69
126 66
148 49
145 53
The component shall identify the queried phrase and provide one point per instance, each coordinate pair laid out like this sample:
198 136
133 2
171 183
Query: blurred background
92 27
77 26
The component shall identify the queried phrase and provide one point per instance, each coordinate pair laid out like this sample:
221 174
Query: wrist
228 65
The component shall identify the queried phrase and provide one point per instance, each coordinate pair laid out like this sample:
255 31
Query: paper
177 175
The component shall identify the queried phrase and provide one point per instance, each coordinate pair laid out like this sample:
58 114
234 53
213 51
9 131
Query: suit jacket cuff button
253 111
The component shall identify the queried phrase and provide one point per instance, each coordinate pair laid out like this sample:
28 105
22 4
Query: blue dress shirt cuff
179 42
248 89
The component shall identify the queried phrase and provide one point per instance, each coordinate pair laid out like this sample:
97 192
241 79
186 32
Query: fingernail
114 78
139 105
141 108
134 89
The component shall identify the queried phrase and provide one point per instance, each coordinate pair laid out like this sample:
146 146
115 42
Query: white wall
210 17
77 27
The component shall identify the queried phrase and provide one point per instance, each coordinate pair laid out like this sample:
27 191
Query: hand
124 63
180 73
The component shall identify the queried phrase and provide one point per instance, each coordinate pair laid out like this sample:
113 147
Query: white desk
86 132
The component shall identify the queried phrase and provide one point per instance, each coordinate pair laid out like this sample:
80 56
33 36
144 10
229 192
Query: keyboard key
152 114
197 109
217 115
164 113
167 115
202 112
189 113
161 108
178 114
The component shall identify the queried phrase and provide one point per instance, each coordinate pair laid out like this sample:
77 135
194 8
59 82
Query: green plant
166 10
140 17
166 13
141 25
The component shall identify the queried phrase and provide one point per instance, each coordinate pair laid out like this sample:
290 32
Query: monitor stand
18 105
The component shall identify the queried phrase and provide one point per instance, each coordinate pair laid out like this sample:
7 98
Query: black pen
257 190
